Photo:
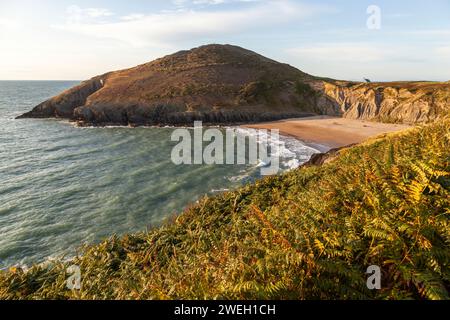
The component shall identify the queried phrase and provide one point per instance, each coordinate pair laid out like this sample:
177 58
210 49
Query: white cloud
133 16
429 32
165 28
182 3
209 2
443 51
98 12
9 23
77 15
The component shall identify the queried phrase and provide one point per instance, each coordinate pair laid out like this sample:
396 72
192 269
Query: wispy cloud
76 15
327 38
183 3
166 27
8 23
132 16
443 51
429 32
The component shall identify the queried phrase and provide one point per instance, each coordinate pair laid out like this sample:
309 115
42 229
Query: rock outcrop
63 105
319 159
402 102
223 84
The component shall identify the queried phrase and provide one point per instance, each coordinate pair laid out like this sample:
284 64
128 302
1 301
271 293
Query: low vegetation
304 89
307 234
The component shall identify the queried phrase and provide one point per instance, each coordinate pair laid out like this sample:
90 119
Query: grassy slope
307 234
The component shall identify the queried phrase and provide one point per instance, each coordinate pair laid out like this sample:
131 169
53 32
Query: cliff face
227 84
63 105
406 102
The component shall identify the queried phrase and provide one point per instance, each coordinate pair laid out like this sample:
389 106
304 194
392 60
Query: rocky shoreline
229 85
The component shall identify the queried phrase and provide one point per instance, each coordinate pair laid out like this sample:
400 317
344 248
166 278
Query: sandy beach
330 131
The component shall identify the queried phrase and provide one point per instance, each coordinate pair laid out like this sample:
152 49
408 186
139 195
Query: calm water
61 186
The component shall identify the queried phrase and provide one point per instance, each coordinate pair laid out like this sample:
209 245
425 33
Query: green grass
307 234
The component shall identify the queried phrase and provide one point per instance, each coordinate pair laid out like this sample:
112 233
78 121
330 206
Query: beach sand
329 131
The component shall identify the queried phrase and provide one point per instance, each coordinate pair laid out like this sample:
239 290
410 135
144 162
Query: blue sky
63 39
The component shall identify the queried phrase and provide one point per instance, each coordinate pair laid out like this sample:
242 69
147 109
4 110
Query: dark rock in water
224 84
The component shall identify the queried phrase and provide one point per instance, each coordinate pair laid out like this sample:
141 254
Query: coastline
318 203
332 132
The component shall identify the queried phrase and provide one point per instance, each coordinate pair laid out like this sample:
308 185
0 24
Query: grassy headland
307 234
225 84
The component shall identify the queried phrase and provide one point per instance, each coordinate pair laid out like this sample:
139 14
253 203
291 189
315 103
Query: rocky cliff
403 102
227 84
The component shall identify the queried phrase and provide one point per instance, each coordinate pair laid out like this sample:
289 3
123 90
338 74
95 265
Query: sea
62 186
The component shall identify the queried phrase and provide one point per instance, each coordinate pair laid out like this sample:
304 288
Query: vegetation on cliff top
308 234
